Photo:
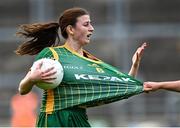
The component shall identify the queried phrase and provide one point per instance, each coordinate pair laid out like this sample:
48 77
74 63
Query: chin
86 42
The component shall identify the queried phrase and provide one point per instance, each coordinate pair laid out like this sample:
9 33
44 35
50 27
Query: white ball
47 63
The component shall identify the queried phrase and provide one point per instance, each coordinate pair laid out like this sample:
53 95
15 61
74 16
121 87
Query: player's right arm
26 84
29 80
37 75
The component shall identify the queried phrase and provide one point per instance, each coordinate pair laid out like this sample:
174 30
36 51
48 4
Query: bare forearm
25 85
136 60
170 85
134 70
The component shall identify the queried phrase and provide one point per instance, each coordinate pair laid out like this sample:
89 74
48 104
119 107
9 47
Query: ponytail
40 36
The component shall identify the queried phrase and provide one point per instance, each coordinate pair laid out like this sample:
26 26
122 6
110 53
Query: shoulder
45 53
61 50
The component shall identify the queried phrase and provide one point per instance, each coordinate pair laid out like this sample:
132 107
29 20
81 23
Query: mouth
89 35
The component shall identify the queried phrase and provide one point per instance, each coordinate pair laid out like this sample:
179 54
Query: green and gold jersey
86 82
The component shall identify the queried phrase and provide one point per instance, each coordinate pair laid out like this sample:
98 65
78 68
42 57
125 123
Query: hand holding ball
48 63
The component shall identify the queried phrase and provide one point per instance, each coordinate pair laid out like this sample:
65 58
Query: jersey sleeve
45 53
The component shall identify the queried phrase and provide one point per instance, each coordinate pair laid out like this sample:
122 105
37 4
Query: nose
91 28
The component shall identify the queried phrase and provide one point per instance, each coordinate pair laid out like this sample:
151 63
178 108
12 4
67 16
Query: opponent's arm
136 60
167 85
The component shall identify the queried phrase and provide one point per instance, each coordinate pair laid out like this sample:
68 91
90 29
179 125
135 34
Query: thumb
147 89
39 65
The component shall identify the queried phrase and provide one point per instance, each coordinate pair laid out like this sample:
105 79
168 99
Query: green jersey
87 81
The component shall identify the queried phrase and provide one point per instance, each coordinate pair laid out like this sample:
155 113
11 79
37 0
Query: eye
86 24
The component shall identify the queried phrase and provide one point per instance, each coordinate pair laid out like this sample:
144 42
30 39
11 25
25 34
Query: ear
70 29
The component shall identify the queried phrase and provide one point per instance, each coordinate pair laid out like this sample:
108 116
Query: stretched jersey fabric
86 82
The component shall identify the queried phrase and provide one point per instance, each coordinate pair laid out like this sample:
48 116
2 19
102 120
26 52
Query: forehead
83 18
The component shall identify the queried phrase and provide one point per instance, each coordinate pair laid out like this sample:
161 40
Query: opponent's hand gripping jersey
86 82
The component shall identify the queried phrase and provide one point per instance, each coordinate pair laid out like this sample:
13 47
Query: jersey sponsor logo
102 78
72 67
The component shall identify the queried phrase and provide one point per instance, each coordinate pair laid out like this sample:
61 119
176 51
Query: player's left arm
136 60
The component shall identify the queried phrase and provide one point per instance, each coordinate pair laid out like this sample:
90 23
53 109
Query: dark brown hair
45 35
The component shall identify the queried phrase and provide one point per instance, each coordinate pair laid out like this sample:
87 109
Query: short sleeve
45 53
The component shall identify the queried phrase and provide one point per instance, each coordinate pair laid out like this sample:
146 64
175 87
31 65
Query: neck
75 46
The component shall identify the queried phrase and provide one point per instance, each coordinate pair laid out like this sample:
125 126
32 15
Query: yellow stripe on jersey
55 55
50 93
77 54
50 101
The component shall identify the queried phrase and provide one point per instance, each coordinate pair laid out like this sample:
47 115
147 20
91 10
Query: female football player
87 81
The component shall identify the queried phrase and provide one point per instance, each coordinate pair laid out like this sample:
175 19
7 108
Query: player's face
83 30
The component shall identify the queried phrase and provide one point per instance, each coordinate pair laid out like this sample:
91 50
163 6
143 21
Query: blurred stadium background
120 27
